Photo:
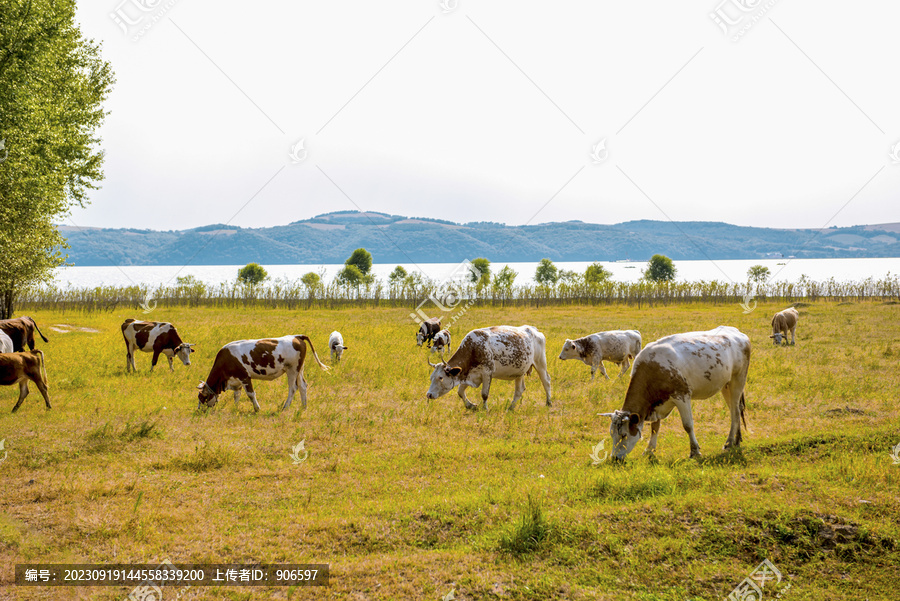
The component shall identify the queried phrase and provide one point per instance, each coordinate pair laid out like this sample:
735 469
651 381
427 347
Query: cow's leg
732 394
654 432
519 391
154 361
625 365
237 394
687 420
301 385
602 369
793 331
462 394
292 387
23 392
540 365
171 368
485 390
251 394
43 390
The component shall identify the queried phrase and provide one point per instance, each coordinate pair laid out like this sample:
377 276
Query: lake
735 270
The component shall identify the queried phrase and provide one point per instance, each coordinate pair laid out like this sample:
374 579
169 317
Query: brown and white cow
238 363
441 342
784 322
672 371
428 329
157 337
19 368
21 331
498 352
618 346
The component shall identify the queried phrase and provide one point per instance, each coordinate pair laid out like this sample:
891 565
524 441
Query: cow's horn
607 414
433 365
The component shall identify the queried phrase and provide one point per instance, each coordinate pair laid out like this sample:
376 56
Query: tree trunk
6 303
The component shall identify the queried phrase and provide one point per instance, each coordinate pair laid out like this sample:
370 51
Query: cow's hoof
471 407
696 454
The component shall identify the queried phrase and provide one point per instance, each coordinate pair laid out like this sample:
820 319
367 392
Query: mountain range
331 237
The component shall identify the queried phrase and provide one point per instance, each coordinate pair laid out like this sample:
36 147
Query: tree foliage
252 274
660 268
480 272
504 279
351 275
53 83
546 274
596 274
397 276
361 259
758 273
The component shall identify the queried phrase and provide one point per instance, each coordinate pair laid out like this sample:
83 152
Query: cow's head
570 350
183 351
338 350
443 379
420 335
625 430
207 396
777 338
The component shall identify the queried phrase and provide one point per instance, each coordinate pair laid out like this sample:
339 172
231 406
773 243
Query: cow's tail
744 419
40 354
41 334
309 342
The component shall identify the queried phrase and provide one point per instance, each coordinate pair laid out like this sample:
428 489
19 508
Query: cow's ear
633 421
454 371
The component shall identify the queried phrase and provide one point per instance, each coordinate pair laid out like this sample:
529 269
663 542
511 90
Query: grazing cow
672 371
336 344
21 331
617 346
238 363
784 322
441 342
18 368
501 352
428 329
157 337
6 343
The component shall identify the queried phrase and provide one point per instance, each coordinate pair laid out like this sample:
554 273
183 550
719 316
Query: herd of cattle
666 374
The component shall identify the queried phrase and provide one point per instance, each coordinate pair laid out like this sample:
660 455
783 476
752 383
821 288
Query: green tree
546 274
351 275
361 259
567 276
758 273
397 276
480 272
503 281
660 269
252 274
596 274
311 280
53 83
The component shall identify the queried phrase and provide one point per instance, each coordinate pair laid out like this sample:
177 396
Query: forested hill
330 238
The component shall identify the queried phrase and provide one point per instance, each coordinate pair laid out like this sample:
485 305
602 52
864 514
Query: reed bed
293 294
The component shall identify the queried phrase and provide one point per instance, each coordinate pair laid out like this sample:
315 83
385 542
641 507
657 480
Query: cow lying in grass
782 323
19 368
672 371
238 363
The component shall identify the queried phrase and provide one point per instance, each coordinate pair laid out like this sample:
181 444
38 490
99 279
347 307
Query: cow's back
705 361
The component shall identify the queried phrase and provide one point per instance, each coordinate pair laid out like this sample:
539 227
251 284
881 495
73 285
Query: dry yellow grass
408 499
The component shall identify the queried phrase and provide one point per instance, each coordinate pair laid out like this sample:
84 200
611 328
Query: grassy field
408 499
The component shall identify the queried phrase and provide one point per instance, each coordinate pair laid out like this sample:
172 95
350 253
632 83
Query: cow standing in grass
238 363
782 323
19 368
428 329
441 342
499 352
157 337
21 331
618 346
6 344
336 345
672 371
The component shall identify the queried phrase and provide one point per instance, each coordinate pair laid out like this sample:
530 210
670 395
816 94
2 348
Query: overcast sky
476 111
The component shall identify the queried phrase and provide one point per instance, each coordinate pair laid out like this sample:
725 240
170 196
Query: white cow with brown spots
498 352
782 323
674 370
617 346
238 363
157 337
441 342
